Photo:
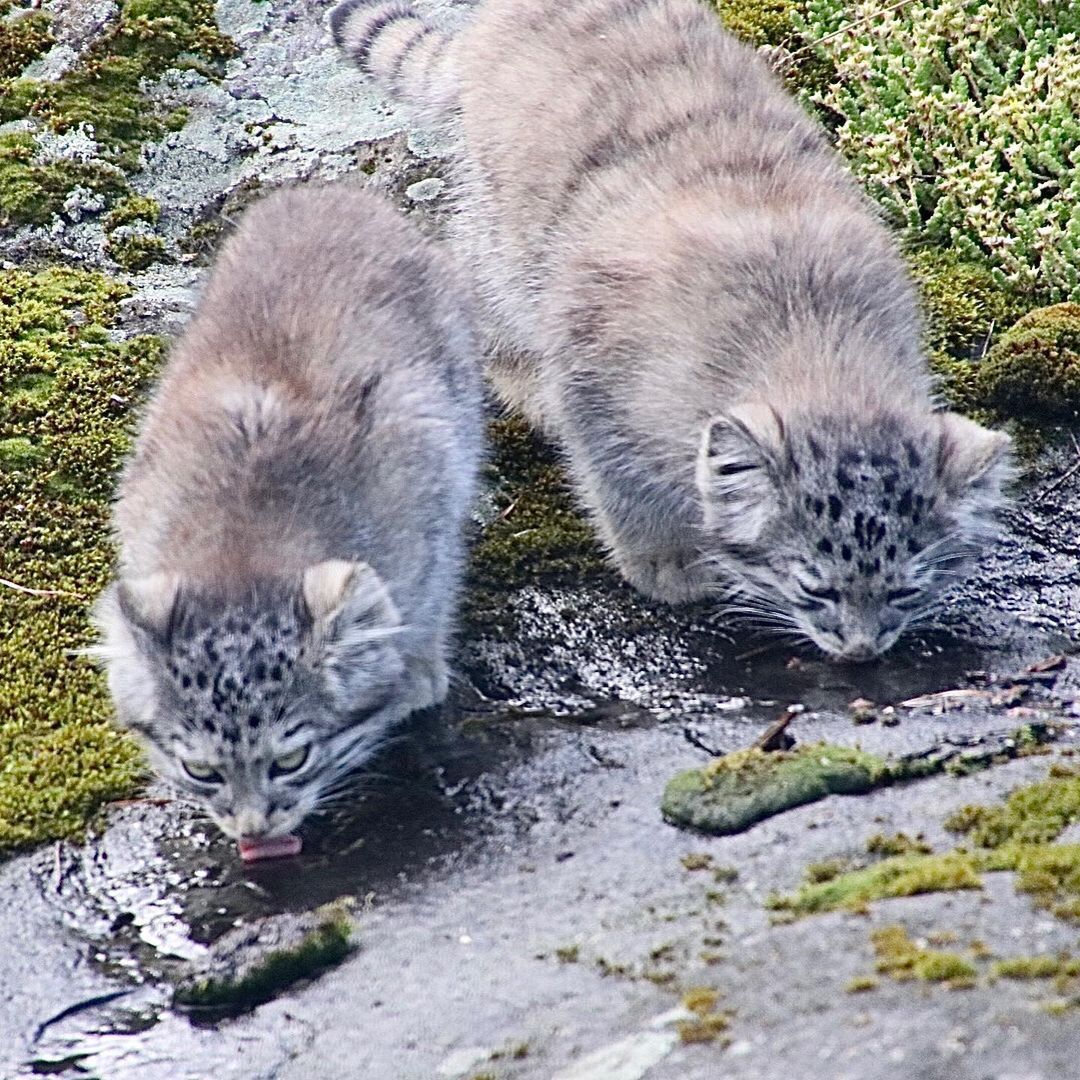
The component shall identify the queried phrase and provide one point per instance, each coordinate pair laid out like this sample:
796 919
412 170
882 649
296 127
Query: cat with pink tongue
290 522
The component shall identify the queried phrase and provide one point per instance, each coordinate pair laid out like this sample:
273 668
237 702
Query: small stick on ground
776 736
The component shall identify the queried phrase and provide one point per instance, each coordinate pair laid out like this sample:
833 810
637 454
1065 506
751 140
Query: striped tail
399 50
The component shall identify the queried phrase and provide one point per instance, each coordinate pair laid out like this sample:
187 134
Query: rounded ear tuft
971 456
328 584
149 603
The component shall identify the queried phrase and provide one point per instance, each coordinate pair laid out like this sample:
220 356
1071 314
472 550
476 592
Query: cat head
257 705
846 531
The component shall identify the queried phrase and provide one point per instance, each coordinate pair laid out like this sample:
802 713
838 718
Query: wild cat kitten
690 294
290 524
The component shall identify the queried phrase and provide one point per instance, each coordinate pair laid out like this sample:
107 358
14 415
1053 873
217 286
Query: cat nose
858 649
251 824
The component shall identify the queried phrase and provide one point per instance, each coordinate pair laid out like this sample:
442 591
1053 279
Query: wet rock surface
520 907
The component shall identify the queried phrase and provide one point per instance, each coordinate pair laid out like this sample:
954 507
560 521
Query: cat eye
205 774
830 594
902 594
290 762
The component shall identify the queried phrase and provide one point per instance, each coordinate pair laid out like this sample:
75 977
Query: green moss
105 89
963 302
133 208
818 872
1036 967
860 984
1036 814
776 24
18 453
135 251
1034 369
759 22
901 875
901 958
66 395
22 40
31 192
733 792
897 844
537 532
324 947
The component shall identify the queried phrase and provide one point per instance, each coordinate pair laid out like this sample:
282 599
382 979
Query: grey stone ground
526 820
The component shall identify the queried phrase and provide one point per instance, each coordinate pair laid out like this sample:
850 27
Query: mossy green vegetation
105 89
901 958
135 251
1036 814
133 208
33 190
66 395
1016 835
1036 967
899 875
733 792
708 1023
319 950
537 533
897 844
23 39
776 24
1034 369
959 118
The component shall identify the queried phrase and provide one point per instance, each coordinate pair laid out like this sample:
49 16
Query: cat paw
674 578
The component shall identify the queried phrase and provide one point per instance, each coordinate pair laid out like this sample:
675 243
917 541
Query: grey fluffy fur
290 524
687 291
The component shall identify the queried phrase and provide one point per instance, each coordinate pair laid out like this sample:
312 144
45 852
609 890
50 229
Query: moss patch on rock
900 875
777 26
901 958
133 208
66 396
105 89
1017 835
737 790
1037 967
135 251
32 190
993 360
318 950
22 40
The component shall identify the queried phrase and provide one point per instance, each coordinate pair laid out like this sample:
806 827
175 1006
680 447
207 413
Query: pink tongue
252 850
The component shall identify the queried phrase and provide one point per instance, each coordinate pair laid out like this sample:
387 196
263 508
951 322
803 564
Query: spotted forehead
231 678
868 509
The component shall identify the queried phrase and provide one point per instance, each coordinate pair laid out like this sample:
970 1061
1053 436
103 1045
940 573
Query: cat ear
336 587
149 603
737 468
353 618
973 462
